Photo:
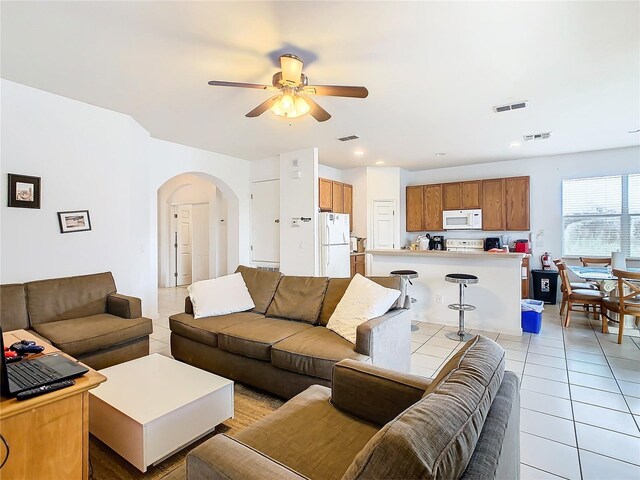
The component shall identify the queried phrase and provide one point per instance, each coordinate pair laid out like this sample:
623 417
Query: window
601 215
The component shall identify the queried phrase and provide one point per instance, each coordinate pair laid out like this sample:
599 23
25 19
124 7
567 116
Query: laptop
36 372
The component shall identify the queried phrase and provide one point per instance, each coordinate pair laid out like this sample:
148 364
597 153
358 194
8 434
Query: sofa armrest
124 306
387 340
225 458
188 306
372 393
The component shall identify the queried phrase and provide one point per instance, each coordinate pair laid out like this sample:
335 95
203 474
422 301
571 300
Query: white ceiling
434 70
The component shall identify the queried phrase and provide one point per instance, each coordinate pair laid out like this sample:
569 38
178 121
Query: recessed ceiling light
637 130
514 144
358 153
440 154
380 162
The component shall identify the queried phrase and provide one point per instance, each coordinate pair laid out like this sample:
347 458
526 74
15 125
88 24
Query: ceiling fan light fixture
291 69
290 106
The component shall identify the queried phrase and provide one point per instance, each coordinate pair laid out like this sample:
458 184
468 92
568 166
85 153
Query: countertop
446 254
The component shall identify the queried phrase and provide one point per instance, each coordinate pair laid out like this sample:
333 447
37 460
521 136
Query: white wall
265 169
100 160
330 173
299 198
546 175
357 177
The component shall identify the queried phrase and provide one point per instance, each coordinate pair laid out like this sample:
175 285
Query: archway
214 207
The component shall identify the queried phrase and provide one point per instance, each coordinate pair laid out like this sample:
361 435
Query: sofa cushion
70 297
436 437
309 435
299 298
13 307
313 352
205 330
88 334
337 287
254 339
261 284
220 296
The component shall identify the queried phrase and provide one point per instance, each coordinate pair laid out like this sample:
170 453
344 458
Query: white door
383 224
184 242
265 222
200 241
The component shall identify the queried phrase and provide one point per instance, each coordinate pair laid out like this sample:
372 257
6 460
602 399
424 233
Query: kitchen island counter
496 295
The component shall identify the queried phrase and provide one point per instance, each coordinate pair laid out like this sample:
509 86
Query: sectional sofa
83 316
282 345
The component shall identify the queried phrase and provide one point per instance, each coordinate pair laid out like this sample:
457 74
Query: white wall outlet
439 299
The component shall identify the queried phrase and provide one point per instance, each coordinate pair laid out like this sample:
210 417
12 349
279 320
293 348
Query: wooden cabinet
326 195
471 194
516 195
357 265
348 204
451 196
432 207
415 209
525 277
337 195
493 204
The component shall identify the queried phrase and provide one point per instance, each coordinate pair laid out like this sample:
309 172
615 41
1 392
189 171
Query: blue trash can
531 315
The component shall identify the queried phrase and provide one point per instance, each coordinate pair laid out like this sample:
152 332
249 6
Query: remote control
52 387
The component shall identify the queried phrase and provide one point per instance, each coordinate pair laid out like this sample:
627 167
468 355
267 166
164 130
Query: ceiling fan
292 99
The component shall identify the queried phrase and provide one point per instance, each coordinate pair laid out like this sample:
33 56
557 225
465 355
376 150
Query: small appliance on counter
522 246
436 243
491 242
465 245
424 242
353 244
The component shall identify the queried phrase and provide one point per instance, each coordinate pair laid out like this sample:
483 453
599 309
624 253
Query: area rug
250 406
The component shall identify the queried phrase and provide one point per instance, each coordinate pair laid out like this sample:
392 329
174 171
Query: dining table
597 273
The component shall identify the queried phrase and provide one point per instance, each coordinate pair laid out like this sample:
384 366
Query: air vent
537 136
513 106
349 138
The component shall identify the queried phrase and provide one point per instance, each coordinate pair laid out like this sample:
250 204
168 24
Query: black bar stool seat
462 279
408 274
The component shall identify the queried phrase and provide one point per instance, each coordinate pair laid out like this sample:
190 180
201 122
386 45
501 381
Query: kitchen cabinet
415 208
432 207
348 204
516 194
337 197
525 277
451 196
357 265
493 204
471 194
326 195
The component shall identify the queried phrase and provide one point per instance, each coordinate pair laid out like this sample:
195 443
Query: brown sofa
282 345
83 316
379 424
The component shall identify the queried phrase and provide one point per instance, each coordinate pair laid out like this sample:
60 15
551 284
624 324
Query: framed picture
24 191
76 221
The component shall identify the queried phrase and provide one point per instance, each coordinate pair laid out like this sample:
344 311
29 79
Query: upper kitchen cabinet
337 194
471 194
347 206
326 195
493 204
451 196
432 207
516 195
415 209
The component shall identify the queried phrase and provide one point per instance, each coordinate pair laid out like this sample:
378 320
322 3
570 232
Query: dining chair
595 261
625 303
574 286
580 296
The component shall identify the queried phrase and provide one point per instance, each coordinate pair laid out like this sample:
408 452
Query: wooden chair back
630 280
564 276
595 261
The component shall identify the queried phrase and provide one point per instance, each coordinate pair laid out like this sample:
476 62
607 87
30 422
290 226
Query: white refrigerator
334 245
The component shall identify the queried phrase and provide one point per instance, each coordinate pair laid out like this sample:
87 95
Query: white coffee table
153 406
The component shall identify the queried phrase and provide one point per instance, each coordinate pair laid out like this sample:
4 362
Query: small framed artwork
76 221
24 191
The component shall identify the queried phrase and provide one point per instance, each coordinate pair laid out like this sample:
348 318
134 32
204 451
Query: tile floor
580 391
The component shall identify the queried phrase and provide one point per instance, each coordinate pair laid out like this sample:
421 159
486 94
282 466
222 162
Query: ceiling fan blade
217 83
291 69
336 91
316 111
263 107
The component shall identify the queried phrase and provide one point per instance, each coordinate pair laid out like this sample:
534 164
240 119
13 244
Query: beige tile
426 361
160 333
511 345
627 375
634 404
546 360
549 456
625 363
518 355
435 351
514 366
629 388
589 368
612 444
542 350
530 473
515 338
547 342
599 398
594 381
547 426
549 373
422 371
599 467
605 418
442 342
586 357
559 407
542 385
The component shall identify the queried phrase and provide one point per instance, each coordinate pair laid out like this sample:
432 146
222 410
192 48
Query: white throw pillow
362 301
220 296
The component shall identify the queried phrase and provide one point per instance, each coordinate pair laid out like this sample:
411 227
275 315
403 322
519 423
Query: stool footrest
464 307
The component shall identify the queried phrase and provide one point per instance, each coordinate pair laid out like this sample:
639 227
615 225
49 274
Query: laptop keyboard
27 374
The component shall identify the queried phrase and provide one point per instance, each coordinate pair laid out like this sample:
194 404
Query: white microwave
462 219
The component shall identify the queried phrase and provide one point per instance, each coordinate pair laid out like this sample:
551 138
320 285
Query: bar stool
408 275
462 279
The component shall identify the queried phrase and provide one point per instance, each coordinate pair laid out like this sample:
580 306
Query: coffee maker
436 243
